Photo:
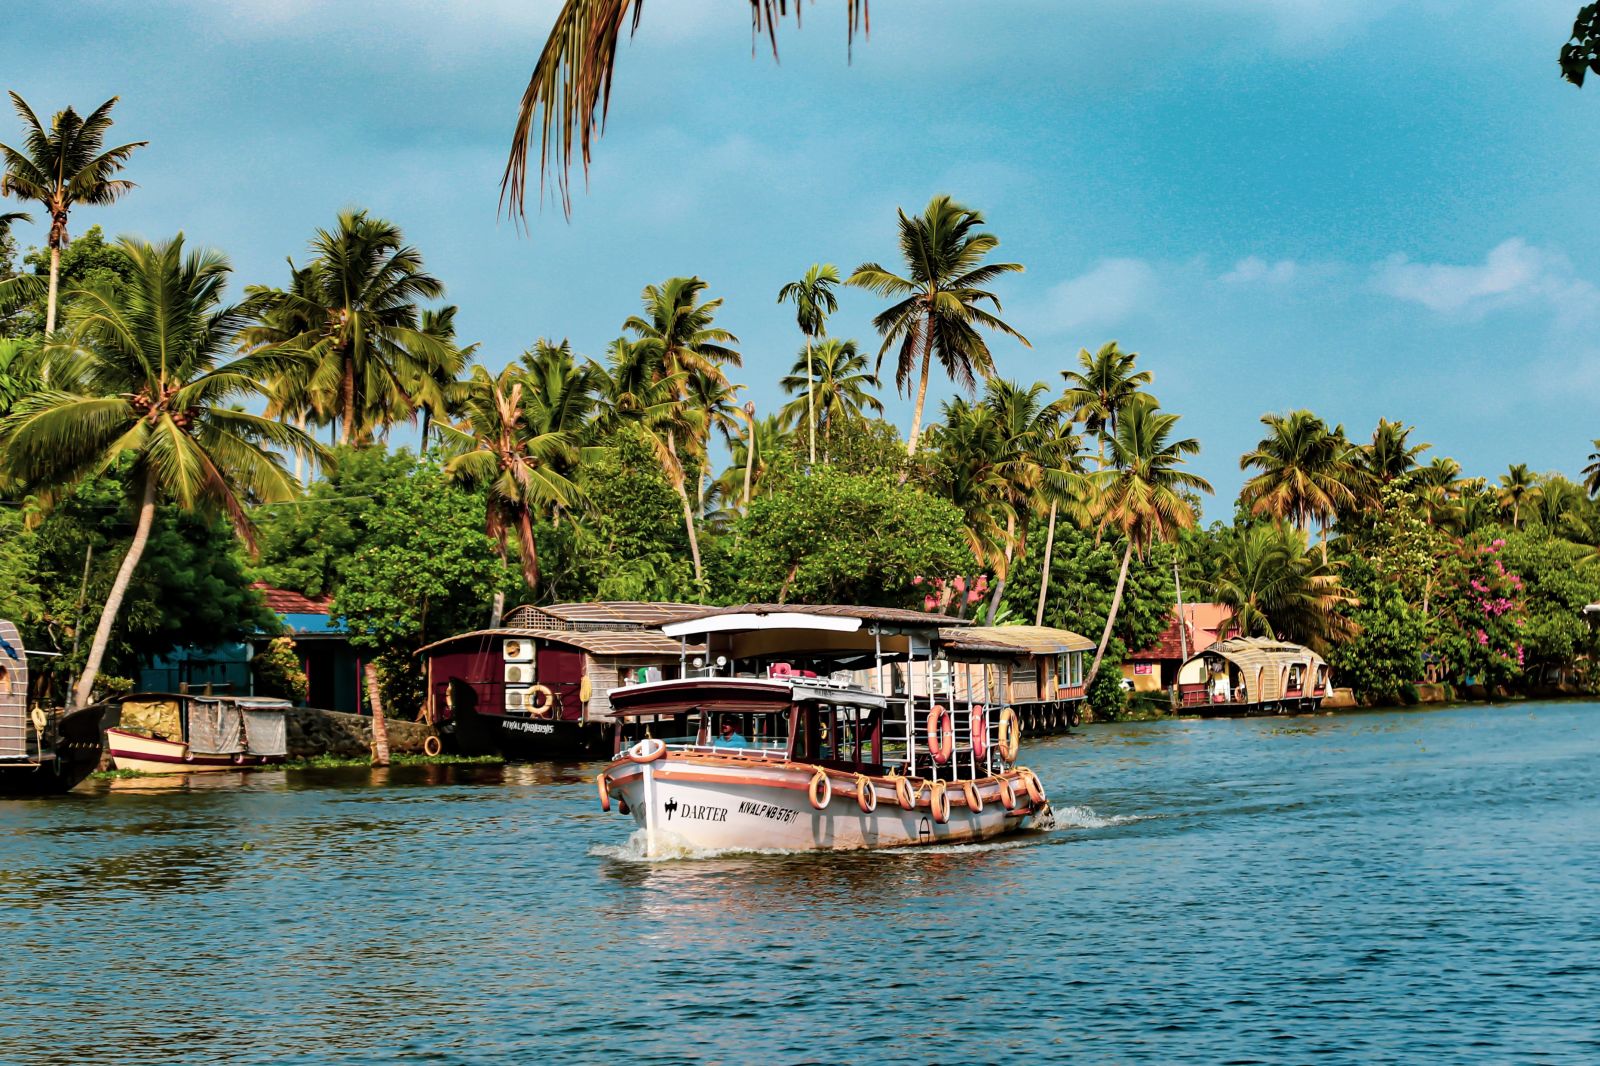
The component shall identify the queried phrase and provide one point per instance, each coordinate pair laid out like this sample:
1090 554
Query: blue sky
1365 207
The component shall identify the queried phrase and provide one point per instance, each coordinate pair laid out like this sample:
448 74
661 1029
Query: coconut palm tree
677 339
717 403
842 388
1026 423
1591 473
1274 586
1141 493
1066 487
157 407
970 445
747 474
371 360
1307 471
1391 454
1102 385
570 90
519 442
62 167
813 303
937 308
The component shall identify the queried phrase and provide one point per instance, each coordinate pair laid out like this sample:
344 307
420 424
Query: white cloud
1107 293
1255 269
1514 273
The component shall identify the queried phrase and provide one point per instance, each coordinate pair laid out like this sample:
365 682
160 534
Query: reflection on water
1348 888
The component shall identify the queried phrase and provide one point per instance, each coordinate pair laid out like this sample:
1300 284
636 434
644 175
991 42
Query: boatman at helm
728 735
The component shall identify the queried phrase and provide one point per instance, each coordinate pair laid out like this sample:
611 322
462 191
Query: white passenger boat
814 728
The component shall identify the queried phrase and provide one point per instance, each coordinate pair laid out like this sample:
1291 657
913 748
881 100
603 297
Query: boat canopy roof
647 644
838 618
1011 641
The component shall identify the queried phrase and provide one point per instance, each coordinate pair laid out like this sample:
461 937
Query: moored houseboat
1249 676
41 751
180 733
813 728
536 688
1038 671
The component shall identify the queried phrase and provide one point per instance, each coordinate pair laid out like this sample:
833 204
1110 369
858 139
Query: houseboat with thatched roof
1252 676
536 687
814 728
41 751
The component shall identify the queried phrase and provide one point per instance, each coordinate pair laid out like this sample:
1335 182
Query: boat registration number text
528 727
767 810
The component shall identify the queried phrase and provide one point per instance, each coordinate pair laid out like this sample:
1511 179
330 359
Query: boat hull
151 755
526 739
699 804
1278 708
74 756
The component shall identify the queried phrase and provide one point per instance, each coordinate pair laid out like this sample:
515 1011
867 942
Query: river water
1369 887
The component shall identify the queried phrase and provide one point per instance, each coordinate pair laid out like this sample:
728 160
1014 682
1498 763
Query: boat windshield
740 731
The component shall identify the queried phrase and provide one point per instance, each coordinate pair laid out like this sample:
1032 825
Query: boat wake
1085 818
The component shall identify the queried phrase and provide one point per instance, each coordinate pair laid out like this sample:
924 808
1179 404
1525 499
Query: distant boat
1252 676
41 751
159 733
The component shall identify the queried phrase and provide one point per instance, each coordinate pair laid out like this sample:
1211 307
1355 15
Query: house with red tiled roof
1193 627
332 666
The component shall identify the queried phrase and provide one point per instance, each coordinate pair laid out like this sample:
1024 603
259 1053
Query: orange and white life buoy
866 794
941 735
978 726
1008 795
905 793
939 802
1030 781
605 791
1010 735
647 750
820 790
542 699
974 798
432 746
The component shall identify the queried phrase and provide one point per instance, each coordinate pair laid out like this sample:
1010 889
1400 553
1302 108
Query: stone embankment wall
314 732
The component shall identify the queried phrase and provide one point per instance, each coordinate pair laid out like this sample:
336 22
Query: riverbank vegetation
170 433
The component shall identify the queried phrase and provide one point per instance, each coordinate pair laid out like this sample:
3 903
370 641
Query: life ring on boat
978 727
941 735
866 794
820 790
1030 781
605 791
969 789
1008 795
1010 735
905 793
542 700
431 746
939 802
647 750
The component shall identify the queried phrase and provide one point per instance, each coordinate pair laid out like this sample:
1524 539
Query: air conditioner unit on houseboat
517 650
518 701
519 673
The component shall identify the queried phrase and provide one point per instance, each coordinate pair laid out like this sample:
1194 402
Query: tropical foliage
146 448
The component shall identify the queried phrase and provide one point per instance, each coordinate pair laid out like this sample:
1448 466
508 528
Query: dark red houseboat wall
560 669
468 675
